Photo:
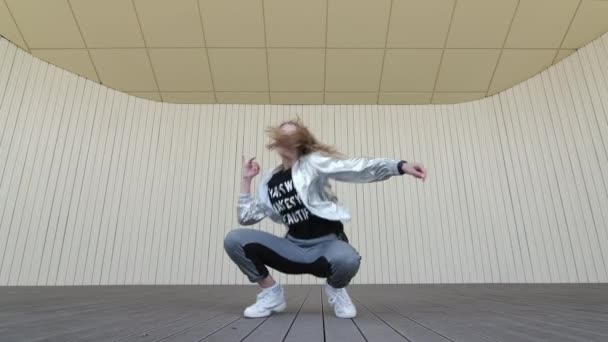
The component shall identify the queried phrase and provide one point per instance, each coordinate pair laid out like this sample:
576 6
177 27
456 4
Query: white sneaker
268 301
339 299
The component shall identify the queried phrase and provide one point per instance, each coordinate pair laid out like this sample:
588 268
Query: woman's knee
234 239
345 260
350 263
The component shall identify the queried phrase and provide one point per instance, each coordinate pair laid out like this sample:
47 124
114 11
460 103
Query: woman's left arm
364 170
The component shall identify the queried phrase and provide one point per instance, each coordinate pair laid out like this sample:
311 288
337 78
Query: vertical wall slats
187 242
65 178
225 193
113 158
503 192
170 204
19 220
536 183
170 133
211 204
476 180
524 180
477 122
377 221
392 196
570 197
148 215
13 171
130 204
80 198
563 258
580 192
441 175
53 184
98 187
7 57
44 212
594 158
9 115
114 237
204 148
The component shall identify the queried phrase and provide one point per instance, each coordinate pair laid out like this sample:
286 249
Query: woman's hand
415 169
250 168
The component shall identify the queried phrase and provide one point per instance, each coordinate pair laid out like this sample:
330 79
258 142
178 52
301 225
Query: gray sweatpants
326 257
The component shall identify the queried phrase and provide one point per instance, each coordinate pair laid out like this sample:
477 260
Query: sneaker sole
280 308
346 316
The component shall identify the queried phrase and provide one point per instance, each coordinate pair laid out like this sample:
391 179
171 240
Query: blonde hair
301 140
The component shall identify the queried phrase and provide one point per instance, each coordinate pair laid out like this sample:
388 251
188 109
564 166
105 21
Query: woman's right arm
249 210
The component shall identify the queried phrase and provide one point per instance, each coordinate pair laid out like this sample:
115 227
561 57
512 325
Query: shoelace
340 297
262 298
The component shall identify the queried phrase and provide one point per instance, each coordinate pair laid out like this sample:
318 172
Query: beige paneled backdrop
99 187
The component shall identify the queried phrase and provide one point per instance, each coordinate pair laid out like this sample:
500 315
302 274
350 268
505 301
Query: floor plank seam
416 322
297 314
218 330
361 332
385 322
323 317
203 322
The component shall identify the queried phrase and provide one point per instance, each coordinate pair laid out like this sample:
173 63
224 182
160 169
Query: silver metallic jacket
311 174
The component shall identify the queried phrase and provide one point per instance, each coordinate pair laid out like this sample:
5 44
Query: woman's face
285 153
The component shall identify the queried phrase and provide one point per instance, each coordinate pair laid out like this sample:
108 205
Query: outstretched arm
364 170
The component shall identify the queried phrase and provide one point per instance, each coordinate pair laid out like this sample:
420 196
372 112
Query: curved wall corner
99 187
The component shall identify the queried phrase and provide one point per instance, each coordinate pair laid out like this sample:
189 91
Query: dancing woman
297 194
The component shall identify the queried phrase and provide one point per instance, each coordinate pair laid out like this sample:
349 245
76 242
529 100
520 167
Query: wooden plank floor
468 313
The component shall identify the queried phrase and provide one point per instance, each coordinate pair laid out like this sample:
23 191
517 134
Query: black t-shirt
301 222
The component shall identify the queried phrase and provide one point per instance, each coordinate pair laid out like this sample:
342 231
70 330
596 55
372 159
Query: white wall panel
99 187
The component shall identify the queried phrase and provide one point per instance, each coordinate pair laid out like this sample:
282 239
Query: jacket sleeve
355 170
249 210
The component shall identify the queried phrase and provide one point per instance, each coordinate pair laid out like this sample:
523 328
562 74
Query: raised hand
250 168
